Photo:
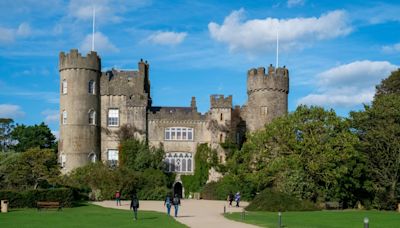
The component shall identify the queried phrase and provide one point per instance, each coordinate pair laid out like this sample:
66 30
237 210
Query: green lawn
326 219
84 216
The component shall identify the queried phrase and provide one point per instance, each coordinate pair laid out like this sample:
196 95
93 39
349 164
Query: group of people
168 203
235 197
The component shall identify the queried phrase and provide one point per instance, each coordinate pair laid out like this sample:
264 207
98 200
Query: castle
94 105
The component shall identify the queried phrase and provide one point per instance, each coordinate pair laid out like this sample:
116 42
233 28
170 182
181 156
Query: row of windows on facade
174 162
91 87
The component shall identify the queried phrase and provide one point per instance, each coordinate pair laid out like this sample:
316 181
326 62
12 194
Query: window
92 157
179 133
221 117
113 117
64 87
179 162
264 110
63 160
91 89
92 117
112 157
64 117
221 137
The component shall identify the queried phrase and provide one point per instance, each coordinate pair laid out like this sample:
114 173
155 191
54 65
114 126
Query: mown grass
326 219
86 215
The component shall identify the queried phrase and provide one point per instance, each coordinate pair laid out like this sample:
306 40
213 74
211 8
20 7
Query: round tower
79 141
267 96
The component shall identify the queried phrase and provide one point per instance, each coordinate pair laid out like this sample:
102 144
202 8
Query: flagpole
94 21
277 46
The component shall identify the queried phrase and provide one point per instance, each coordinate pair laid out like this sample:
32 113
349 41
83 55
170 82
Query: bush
29 198
270 200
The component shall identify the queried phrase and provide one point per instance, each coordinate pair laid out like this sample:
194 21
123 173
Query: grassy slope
84 216
326 219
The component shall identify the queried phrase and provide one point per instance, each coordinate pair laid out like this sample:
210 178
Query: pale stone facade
94 105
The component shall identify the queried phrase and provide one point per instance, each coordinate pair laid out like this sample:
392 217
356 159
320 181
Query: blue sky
336 51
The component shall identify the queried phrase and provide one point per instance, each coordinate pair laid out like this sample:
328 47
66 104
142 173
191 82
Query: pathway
193 213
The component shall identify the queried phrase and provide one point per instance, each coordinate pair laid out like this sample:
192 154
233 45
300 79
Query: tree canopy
6 127
27 137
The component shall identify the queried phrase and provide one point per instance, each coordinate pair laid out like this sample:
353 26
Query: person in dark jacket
230 198
168 203
135 205
176 202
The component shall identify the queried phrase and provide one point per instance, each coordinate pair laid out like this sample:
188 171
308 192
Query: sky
336 51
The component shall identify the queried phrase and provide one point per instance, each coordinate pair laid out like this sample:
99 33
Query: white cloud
101 44
294 3
167 38
349 84
260 34
7 35
10 111
391 48
51 115
24 30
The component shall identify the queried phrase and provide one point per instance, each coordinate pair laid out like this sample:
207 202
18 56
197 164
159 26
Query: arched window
64 117
64 87
92 117
172 167
221 117
189 165
183 165
220 138
91 88
92 157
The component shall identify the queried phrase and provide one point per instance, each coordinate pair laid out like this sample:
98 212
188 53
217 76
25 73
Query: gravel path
193 213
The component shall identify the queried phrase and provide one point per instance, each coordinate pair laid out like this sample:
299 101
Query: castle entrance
178 189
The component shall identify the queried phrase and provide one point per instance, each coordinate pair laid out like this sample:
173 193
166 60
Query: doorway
178 189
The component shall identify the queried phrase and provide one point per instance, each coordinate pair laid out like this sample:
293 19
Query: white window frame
112 156
175 162
92 87
64 86
113 117
64 117
92 119
63 160
178 134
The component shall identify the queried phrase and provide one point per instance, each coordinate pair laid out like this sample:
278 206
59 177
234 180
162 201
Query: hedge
29 198
271 200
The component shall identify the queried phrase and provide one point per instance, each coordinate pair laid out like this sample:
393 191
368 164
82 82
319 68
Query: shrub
270 200
29 198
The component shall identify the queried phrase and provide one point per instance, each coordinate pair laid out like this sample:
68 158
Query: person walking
168 203
135 205
230 198
177 202
118 198
237 199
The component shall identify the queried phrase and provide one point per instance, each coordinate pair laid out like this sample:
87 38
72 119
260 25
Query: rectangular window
64 117
112 155
63 160
167 135
190 134
113 117
178 133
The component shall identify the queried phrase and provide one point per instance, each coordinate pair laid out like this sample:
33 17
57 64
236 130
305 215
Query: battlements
74 60
219 101
276 79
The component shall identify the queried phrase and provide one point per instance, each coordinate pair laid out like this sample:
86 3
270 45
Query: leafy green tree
390 85
378 127
309 153
32 136
6 127
30 170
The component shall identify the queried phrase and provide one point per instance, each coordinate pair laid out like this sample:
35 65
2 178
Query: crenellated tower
267 96
79 108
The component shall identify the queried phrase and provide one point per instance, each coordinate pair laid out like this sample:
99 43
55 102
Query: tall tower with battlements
79 109
267 96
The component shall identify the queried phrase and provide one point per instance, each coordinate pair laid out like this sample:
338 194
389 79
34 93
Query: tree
390 85
32 136
378 128
30 170
6 127
309 153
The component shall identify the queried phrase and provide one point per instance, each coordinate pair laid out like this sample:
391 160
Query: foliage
137 155
28 198
270 200
88 216
32 136
29 170
229 184
390 85
378 128
204 159
309 154
6 127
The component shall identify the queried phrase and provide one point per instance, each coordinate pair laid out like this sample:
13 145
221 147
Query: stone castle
94 105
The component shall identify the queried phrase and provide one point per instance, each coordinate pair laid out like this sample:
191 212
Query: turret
267 96
79 109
